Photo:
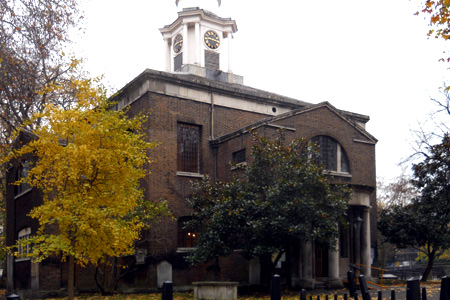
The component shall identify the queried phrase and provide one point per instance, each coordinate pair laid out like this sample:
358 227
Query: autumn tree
423 222
33 35
89 163
282 198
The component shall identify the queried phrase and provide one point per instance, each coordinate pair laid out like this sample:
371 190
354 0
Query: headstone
254 272
163 273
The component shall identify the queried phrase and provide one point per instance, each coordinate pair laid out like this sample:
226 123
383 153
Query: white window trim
24 233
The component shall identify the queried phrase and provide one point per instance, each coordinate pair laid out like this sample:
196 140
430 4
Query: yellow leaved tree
89 160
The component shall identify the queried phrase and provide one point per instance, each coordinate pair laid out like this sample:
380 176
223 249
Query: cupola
199 42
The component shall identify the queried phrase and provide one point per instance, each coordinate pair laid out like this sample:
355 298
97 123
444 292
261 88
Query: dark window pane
188 137
239 156
178 62
327 151
187 237
22 172
345 166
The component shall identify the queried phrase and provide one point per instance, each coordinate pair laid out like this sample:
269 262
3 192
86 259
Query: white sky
368 57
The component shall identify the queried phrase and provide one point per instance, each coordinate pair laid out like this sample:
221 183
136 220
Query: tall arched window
331 154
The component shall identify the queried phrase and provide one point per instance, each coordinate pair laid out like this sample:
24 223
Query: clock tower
199 42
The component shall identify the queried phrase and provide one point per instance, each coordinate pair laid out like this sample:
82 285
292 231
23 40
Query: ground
432 290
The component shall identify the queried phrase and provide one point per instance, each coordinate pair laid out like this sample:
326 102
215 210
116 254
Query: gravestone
163 273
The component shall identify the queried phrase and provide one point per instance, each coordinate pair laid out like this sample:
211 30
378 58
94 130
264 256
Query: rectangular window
188 152
239 156
23 249
22 174
212 60
187 237
178 62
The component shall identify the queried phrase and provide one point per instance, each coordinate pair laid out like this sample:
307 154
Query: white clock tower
199 41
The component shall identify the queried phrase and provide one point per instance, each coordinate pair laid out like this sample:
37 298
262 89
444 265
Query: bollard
275 293
351 283
345 297
364 289
445 288
335 297
326 297
167 291
424 293
380 295
303 294
318 297
355 296
413 289
392 294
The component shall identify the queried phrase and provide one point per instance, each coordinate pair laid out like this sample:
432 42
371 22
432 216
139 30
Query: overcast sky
368 57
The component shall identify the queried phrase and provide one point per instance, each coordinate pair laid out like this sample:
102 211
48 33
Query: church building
202 114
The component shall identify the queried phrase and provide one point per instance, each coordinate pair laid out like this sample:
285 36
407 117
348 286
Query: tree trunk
71 279
426 273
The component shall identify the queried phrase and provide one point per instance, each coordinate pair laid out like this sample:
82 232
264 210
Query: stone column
365 242
197 44
168 56
333 268
306 280
186 45
230 37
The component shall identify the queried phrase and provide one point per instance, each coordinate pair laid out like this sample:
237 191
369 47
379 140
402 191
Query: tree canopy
281 198
423 222
89 160
33 35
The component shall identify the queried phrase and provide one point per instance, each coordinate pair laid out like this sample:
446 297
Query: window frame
185 167
340 154
23 251
22 172
187 238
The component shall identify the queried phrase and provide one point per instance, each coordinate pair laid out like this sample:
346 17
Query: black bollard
355 296
303 294
345 297
413 289
351 283
364 289
167 291
392 294
326 297
318 297
424 293
275 293
335 297
445 288
380 295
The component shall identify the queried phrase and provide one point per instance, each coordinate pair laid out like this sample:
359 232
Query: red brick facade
224 114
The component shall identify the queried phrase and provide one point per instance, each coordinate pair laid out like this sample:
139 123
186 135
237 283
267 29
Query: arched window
331 154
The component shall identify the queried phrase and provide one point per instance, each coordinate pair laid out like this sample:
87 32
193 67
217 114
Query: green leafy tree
89 163
280 199
423 222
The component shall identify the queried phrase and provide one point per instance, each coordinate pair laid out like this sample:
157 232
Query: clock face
212 40
178 43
